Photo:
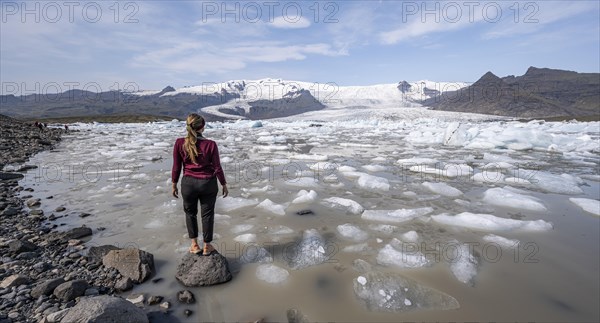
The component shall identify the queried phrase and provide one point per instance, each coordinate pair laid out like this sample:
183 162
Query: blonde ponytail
193 123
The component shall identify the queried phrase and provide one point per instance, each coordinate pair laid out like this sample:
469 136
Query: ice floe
488 222
397 216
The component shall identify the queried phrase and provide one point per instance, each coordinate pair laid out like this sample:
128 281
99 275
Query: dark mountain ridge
539 93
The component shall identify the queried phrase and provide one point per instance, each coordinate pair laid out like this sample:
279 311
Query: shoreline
45 272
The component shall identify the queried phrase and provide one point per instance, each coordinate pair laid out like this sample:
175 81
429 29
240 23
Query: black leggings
205 190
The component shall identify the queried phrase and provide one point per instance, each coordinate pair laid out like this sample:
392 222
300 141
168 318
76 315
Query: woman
201 169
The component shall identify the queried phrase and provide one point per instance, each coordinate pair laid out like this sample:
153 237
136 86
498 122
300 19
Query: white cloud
537 16
285 22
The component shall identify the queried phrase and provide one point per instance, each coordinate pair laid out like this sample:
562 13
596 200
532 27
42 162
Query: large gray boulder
134 263
70 290
77 233
96 253
13 281
19 246
197 270
46 287
105 309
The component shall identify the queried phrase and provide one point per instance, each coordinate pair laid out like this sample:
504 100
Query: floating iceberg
463 264
352 232
488 222
588 205
310 251
271 274
395 293
350 206
371 182
398 216
501 241
271 207
389 256
442 189
305 197
509 198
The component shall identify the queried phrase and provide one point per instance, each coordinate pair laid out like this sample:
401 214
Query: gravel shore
43 271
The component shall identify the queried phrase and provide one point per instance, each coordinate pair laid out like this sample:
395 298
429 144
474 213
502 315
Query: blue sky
151 44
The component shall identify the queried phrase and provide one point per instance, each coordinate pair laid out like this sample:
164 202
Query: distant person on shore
201 169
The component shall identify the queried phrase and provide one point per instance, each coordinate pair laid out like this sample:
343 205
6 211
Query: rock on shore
198 270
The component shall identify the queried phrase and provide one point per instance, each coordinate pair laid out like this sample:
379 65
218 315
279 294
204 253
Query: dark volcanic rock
134 263
19 246
77 233
14 280
96 254
196 270
124 284
185 296
46 287
70 290
105 308
7 176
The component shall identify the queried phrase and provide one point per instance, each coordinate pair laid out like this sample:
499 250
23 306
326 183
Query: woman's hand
225 191
175 191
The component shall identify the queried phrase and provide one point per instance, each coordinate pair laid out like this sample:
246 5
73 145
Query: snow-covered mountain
268 97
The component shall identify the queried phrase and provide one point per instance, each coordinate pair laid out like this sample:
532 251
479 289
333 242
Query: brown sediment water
124 182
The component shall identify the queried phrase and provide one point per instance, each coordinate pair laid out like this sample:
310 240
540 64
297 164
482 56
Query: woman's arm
177 161
216 162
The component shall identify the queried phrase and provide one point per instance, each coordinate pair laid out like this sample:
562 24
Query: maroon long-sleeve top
209 162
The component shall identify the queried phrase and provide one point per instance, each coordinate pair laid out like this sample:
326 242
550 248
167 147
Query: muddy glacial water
120 173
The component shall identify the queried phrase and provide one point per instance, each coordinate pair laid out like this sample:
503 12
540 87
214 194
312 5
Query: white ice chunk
448 170
348 205
507 198
588 205
241 228
455 134
302 182
233 203
246 238
309 252
516 180
361 280
398 216
305 197
488 176
271 207
271 274
561 184
371 182
395 293
462 263
410 236
280 230
498 165
383 228
416 161
501 241
488 222
443 189
356 247
310 157
255 254
352 232
520 146
346 168
389 256
374 168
